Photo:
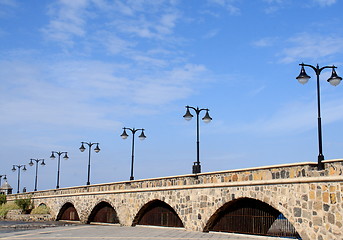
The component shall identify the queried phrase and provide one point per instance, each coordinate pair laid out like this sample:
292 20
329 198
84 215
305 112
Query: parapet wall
286 173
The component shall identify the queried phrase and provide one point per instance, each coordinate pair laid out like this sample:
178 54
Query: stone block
312 195
326 197
333 198
297 212
331 218
332 188
317 221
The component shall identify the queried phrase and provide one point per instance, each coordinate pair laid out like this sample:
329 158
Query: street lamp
14 169
65 157
141 137
96 149
188 116
5 178
333 80
31 164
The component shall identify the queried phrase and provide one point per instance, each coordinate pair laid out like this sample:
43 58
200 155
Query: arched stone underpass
104 213
157 213
68 212
251 216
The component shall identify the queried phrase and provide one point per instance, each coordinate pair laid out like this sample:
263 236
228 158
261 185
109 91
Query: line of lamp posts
302 78
188 116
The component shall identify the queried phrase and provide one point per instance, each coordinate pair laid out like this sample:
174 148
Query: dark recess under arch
68 212
157 213
103 212
251 216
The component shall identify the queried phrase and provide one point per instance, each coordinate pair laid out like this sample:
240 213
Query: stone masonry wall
16 215
310 199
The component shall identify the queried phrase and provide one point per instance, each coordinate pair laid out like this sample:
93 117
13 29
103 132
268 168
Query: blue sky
82 70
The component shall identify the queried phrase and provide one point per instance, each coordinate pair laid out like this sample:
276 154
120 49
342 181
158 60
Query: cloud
304 46
68 20
325 3
128 29
62 93
256 91
113 44
291 118
265 42
273 6
8 3
212 33
229 5
144 27
6 7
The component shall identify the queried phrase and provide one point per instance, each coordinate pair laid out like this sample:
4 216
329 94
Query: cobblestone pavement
116 232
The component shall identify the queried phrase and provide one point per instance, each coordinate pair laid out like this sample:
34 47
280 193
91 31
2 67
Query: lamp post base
196 168
132 178
320 162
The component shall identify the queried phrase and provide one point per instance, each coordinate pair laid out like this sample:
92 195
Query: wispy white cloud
256 91
9 3
129 29
113 44
144 27
274 6
211 33
145 19
6 6
325 3
229 5
62 93
290 119
68 20
304 46
265 42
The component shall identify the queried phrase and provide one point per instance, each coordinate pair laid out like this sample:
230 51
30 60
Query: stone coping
192 175
87 188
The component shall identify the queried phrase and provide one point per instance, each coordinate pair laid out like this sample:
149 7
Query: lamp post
188 116
141 137
65 157
31 164
5 178
15 167
333 80
96 149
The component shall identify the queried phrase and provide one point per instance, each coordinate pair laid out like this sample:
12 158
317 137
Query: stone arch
103 212
250 216
157 213
68 212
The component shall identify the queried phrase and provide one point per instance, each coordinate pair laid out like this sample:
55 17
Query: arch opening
251 216
68 212
104 213
157 213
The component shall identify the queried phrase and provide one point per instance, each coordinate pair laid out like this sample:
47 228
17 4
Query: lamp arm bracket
316 69
197 110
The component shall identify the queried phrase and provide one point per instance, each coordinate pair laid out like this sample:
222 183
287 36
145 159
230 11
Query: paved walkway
116 232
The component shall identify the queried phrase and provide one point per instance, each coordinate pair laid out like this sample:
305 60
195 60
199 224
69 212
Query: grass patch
41 209
4 208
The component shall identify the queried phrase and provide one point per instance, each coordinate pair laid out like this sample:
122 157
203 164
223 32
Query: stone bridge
286 200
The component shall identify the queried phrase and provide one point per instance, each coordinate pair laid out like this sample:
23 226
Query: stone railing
248 176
